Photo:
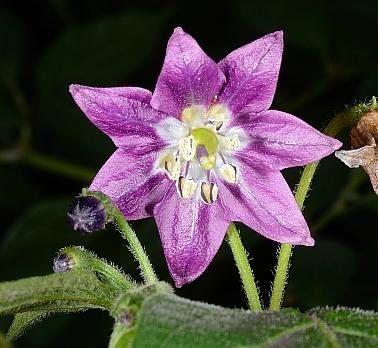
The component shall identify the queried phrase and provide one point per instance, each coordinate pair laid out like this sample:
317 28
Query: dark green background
330 60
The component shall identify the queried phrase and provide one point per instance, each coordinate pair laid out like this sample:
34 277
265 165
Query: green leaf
170 321
350 325
24 321
125 311
70 291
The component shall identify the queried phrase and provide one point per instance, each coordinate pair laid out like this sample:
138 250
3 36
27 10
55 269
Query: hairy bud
87 214
63 263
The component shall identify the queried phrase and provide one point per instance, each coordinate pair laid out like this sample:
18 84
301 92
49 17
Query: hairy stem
245 271
285 250
136 248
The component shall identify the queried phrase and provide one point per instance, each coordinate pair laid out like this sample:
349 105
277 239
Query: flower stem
136 248
245 271
285 250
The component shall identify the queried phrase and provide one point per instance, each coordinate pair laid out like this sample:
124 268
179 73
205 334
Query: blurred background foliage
49 150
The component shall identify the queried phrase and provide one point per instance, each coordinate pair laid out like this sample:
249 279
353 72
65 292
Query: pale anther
218 125
186 187
231 143
172 166
187 148
228 173
209 192
218 113
189 114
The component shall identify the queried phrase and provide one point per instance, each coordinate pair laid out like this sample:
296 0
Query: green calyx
357 111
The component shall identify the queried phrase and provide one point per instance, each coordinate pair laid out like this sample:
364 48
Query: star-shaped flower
203 150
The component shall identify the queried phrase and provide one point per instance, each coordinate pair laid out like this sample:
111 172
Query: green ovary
206 138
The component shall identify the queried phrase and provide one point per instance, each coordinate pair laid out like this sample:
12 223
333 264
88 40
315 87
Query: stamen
209 192
187 147
218 125
193 114
231 143
188 114
172 166
228 173
218 113
186 187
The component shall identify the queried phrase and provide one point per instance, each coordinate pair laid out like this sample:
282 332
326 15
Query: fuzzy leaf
70 291
24 321
170 321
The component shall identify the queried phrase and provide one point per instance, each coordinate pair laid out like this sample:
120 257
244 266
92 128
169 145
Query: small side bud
126 318
63 263
87 214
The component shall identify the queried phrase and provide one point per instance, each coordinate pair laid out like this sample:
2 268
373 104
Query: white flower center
199 150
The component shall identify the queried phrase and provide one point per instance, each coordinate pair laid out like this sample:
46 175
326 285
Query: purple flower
203 150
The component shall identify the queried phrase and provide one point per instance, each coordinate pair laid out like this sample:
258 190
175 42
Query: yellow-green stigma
206 138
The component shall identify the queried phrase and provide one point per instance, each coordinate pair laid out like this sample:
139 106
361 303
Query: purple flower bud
62 263
87 214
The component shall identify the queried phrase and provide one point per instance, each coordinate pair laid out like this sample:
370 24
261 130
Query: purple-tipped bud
126 318
62 263
87 214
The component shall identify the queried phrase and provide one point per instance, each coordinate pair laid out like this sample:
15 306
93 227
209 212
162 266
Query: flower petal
263 201
188 76
358 157
132 183
366 157
191 233
252 72
281 140
123 113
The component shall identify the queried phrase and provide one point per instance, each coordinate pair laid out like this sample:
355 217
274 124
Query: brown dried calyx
364 141
366 130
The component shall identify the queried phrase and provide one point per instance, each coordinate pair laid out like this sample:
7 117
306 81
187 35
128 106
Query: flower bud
126 318
63 263
87 214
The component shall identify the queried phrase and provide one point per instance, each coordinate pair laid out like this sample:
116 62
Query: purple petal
281 140
188 76
191 233
252 72
132 183
263 201
123 113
